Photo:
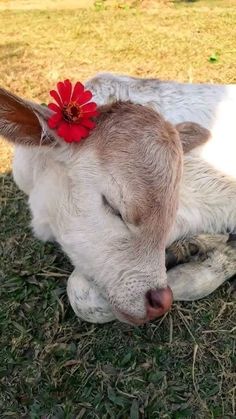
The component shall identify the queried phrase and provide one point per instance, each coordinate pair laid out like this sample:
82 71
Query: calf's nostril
154 298
158 302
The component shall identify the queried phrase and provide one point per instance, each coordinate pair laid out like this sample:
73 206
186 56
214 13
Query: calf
111 202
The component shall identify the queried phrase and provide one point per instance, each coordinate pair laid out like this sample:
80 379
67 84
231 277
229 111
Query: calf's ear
23 122
192 135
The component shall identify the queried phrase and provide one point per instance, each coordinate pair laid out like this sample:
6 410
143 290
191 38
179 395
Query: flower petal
89 114
88 107
78 132
68 86
88 123
78 90
63 130
64 90
54 120
56 97
85 97
54 107
68 137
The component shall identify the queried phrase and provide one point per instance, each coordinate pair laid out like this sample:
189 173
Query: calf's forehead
132 140
122 127
141 155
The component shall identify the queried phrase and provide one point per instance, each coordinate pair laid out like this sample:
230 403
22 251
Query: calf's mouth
158 301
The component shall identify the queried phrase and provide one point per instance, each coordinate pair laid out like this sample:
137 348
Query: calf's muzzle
158 301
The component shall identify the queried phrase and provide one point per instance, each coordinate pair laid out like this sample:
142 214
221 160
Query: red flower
73 111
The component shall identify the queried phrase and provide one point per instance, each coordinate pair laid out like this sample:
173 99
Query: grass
51 365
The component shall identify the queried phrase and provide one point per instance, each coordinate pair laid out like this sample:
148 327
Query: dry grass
51 365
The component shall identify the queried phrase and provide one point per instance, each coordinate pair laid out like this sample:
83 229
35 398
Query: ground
51 365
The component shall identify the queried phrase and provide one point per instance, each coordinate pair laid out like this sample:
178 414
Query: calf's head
115 196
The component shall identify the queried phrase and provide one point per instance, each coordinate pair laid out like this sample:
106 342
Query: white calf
111 201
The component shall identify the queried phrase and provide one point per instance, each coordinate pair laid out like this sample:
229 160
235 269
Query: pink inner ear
19 124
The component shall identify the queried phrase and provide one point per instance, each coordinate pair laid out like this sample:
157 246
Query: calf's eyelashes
111 208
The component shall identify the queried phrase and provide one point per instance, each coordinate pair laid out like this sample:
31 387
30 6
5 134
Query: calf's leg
213 263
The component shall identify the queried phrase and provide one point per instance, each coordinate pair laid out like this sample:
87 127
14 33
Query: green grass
51 365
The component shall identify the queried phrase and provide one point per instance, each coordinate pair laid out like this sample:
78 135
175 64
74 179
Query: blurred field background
52 366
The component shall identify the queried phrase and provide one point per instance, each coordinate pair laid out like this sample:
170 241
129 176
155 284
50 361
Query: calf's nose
158 302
